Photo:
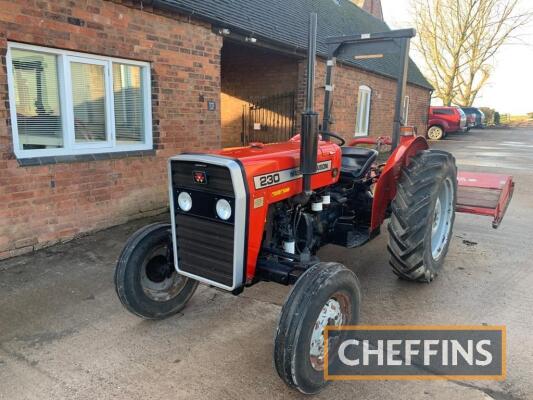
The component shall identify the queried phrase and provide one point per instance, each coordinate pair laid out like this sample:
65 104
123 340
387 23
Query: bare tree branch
458 40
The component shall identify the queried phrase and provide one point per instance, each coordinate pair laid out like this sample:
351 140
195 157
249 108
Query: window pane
88 96
358 125
37 100
363 110
129 116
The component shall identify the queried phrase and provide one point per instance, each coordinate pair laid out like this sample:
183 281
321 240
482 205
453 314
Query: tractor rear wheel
325 294
423 213
146 281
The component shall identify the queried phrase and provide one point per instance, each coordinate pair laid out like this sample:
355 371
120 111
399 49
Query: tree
458 40
489 114
496 118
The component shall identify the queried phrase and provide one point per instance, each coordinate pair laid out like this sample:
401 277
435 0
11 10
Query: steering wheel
335 136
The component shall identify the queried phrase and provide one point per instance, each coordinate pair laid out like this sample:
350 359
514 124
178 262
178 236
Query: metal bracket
370 45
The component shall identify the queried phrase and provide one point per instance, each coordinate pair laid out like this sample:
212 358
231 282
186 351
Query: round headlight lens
185 201
223 209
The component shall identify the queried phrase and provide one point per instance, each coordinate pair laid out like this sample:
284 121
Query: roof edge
292 49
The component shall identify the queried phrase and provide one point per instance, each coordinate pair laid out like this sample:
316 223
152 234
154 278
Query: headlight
223 209
185 201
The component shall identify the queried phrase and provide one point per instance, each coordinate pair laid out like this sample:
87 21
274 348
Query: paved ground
64 334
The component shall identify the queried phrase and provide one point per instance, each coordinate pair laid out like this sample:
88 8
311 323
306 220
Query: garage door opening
258 100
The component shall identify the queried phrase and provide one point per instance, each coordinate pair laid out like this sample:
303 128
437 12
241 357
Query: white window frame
109 123
70 147
360 130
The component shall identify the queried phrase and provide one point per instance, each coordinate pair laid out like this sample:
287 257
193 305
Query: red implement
484 194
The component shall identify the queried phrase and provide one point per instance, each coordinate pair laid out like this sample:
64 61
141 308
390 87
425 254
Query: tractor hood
259 159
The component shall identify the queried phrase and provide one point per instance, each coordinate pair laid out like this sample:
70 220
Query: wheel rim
442 219
435 133
159 280
336 312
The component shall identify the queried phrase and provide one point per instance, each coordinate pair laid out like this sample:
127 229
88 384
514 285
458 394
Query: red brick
347 82
96 195
249 73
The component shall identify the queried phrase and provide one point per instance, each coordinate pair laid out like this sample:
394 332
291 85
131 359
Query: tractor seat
356 161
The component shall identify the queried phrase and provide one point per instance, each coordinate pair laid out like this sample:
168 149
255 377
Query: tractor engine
329 217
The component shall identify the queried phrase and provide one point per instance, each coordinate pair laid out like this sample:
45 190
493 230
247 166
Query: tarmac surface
65 335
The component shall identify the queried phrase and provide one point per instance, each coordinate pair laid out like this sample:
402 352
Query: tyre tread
410 212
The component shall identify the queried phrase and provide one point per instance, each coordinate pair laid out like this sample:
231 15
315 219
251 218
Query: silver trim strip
240 215
286 175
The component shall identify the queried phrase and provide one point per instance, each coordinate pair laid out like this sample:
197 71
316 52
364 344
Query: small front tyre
146 281
326 294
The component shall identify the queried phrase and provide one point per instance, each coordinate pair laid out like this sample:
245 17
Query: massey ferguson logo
199 177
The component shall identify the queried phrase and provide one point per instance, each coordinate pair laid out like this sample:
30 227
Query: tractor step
349 236
484 194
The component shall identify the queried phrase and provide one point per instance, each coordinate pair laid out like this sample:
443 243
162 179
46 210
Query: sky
510 88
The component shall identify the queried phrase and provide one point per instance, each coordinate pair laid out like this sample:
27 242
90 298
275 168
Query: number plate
275 178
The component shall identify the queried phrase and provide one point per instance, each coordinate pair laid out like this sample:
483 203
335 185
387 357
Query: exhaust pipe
309 135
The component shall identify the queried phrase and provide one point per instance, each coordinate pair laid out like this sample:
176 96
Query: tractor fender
385 189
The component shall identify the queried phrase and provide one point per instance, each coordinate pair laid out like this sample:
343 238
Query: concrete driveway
64 334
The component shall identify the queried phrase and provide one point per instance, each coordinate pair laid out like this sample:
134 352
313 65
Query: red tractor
261 213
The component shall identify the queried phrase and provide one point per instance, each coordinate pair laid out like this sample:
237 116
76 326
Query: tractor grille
205 248
205 244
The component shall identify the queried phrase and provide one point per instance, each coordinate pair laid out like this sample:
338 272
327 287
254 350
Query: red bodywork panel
259 159
385 189
386 140
263 159
484 194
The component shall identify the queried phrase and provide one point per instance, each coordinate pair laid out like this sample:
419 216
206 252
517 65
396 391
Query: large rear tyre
146 281
423 213
326 294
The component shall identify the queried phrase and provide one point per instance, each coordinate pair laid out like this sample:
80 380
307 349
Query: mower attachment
484 194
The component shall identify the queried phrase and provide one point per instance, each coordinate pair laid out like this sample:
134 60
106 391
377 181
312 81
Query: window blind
37 100
128 98
88 98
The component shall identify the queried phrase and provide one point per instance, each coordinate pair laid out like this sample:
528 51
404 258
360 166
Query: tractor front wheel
325 294
423 213
146 281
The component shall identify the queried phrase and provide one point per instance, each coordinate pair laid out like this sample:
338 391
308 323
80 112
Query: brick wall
249 72
371 6
44 204
347 81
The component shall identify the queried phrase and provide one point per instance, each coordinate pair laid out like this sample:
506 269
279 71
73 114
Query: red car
443 120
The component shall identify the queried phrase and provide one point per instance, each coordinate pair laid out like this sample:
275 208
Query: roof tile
286 22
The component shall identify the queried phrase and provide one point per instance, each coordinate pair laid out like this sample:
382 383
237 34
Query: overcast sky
510 89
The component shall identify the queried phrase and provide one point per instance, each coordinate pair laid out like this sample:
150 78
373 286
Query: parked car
470 121
443 120
480 116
